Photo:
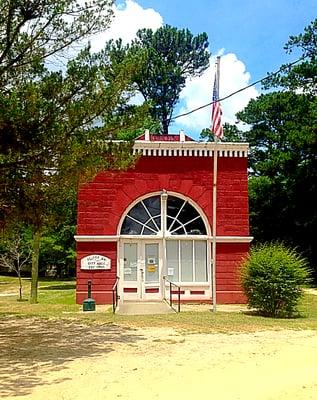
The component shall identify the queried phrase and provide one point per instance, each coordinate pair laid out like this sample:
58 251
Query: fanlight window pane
147 231
179 231
196 227
174 205
188 213
139 213
150 226
183 218
157 221
144 218
169 222
153 204
131 227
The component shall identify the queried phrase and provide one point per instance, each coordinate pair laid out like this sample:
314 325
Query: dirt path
64 361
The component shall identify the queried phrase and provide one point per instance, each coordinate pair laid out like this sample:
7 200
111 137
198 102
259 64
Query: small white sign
170 271
95 261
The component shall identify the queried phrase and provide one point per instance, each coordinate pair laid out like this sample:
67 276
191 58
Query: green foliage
271 278
32 31
283 167
283 153
58 245
231 134
54 130
132 133
302 75
170 56
57 127
54 126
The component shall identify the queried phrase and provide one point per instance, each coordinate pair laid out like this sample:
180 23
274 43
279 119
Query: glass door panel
151 262
130 266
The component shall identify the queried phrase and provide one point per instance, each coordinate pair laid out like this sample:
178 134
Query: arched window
145 218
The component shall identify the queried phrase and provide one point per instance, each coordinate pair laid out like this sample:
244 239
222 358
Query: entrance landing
143 308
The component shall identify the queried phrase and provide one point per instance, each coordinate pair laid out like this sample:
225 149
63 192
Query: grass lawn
57 300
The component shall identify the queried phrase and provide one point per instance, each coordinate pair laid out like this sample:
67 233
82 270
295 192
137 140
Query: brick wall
229 257
102 280
102 203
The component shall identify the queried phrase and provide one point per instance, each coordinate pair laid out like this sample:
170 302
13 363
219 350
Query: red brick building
155 220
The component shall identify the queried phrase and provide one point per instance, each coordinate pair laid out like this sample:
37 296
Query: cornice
189 149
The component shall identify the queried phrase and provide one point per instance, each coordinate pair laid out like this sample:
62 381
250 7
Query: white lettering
95 261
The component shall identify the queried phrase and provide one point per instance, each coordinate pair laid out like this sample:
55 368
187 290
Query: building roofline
190 148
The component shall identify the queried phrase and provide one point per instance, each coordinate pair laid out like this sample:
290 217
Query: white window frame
163 214
192 240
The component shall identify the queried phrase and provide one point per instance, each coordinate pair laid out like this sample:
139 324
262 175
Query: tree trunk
20 286
35 266
165 124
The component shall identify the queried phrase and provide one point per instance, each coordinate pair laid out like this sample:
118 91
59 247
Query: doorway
141 265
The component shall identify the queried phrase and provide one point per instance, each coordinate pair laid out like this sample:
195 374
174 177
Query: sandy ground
67 361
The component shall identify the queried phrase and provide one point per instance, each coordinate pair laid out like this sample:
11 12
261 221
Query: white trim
96 238
94 291
158 193
142 237
188 285
189 149
115 238
233 239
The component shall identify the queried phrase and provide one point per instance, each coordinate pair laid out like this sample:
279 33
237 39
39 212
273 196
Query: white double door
141 270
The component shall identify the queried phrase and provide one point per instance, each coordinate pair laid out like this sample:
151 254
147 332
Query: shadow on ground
59 287
28 345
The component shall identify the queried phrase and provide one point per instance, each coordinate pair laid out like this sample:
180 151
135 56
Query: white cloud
129 17
198 91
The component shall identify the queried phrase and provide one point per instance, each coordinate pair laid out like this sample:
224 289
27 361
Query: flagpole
214 207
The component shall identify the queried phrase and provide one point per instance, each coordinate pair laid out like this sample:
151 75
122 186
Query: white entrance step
143 308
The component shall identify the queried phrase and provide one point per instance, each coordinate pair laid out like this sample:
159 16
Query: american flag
216 113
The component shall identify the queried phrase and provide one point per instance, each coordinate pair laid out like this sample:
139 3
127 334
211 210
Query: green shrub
271 277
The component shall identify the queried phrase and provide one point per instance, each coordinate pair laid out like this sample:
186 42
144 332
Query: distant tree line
282 133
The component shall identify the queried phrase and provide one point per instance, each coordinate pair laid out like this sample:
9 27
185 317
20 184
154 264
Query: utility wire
240 90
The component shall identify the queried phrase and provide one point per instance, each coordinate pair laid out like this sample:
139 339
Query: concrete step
143 308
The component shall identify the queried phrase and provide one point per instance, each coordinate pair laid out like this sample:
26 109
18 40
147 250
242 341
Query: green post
89 304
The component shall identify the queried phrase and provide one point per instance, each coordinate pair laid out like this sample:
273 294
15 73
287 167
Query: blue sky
249 34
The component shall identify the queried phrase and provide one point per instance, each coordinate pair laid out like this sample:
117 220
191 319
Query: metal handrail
171 295
115 296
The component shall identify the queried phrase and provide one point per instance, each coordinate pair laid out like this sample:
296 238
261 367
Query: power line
240 90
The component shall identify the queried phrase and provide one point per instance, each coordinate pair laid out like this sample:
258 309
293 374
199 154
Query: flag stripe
216 112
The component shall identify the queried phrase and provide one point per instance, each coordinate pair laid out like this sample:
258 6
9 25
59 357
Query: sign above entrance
95 261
